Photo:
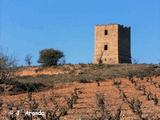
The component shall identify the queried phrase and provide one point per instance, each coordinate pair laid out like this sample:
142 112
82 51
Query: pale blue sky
27 26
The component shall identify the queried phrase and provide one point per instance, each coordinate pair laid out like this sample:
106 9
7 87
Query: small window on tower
105 32
105 47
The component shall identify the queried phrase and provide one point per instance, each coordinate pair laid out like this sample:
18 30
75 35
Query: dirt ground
116 95
35 71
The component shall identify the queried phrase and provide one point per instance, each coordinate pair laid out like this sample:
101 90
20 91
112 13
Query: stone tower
112 44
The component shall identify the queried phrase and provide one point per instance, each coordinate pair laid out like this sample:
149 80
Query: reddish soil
35 71
86 104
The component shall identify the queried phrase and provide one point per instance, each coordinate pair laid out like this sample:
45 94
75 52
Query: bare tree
7 61
99 60
28 59
135 61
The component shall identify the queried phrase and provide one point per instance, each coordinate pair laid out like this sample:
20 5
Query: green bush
50 57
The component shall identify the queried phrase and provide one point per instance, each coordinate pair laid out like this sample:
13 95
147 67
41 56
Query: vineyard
128 98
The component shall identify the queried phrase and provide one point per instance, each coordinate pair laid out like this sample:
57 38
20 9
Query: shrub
5 76
7 63
50 57
63 111
100 102
105 114
72 99
1 104
118 113
98 80
135 104
144 91
117 82
150 96
156 100
130 76
123 95
84 80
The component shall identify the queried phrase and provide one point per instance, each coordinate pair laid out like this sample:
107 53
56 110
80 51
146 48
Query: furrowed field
82 92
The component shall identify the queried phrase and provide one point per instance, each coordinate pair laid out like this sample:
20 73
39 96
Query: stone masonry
112 44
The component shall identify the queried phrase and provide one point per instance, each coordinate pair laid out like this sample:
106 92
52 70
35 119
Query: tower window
105 32
105 47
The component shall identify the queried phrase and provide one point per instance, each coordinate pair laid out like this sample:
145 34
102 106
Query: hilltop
85 91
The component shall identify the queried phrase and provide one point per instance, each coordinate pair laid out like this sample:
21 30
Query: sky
28 26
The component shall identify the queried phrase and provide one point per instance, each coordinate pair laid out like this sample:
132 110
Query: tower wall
112 44
124 44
